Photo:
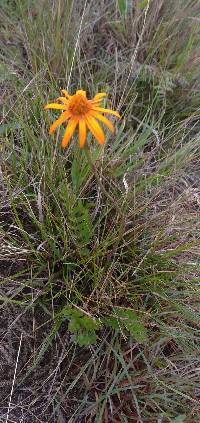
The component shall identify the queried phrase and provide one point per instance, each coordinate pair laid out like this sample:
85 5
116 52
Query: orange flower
81 112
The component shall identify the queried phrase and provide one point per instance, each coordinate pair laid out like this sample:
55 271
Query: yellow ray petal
111 112
69 131
81 92
63 117
95 128
55 106
99 95
65 93
104 120
82 132
95 103
63 99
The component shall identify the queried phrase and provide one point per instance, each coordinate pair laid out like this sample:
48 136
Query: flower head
80 112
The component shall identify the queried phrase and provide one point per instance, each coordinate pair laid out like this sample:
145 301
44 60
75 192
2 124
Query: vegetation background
99 317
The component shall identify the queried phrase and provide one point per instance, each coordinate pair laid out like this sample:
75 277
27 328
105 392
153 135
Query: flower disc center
78 105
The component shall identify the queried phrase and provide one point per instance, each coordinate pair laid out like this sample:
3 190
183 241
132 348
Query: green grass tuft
102 293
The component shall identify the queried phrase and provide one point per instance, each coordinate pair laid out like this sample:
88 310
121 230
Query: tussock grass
104 306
